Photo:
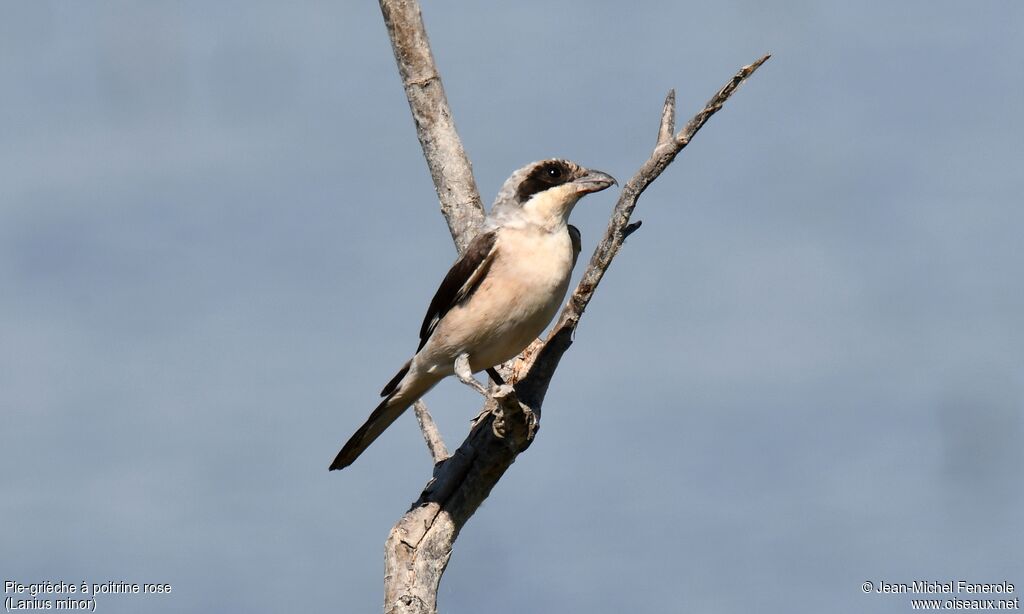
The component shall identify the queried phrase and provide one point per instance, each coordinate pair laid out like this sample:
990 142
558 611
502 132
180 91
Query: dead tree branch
665 151
438 451
449 166
420 544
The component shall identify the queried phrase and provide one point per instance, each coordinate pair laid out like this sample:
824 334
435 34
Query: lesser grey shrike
499 295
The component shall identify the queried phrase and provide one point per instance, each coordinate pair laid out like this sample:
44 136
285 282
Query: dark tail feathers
381 418
401 392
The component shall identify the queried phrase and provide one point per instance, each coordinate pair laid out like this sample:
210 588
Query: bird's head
545 192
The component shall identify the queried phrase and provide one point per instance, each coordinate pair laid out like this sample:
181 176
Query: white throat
550 209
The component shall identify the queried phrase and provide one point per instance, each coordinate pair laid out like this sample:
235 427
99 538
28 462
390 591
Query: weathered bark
449 167
420 544
438 451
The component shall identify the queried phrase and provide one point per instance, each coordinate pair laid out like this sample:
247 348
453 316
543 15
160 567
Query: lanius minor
498 296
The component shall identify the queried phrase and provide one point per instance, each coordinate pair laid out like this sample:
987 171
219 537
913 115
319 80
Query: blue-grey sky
218 237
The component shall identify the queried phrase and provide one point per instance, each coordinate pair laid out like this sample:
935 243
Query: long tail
401 392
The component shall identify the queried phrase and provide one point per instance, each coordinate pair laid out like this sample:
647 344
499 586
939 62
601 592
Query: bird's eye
554 172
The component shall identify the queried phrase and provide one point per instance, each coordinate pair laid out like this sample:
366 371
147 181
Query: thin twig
631 228
716 103
431 435
664 153
668 119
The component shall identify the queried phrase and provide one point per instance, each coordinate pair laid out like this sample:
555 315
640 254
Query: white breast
517 299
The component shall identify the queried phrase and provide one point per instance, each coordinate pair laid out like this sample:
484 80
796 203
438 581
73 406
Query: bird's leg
495 376
498 381
465 376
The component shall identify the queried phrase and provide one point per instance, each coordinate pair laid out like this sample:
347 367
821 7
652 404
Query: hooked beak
594 181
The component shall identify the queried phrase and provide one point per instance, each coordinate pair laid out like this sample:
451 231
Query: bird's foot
513 420
524 427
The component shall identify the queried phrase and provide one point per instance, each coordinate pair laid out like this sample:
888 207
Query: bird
500 294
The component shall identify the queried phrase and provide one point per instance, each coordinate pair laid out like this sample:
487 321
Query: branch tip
668 118
438 451
750 68
631 228
717 101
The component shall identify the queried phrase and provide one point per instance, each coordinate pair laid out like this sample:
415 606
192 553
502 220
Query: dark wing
464 277
577 243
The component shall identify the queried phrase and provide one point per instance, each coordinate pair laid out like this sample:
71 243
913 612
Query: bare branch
438 451
449 166
663 155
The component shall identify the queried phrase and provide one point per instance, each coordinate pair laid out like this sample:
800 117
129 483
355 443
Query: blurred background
218 238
